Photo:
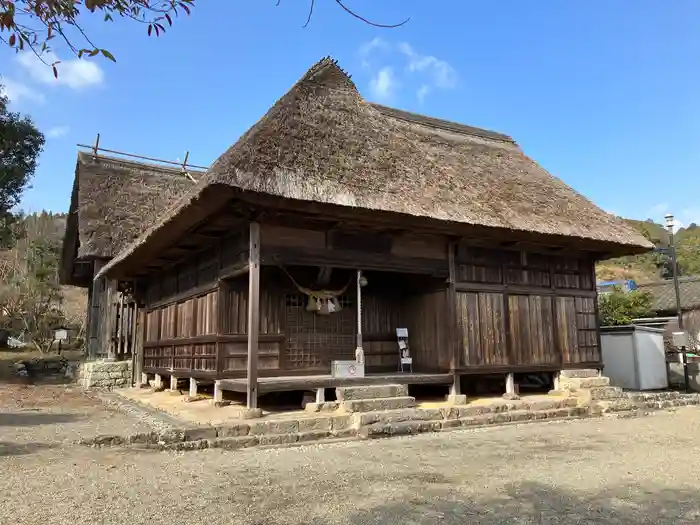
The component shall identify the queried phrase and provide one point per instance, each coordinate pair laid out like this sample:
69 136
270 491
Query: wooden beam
253 314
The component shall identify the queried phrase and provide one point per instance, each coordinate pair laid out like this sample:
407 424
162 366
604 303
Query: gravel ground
592 471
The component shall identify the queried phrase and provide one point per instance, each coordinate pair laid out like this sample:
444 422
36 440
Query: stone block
188 445
315 424
274 427
172 435
106 441
344 433
312 435
196 434
469 411
277 439
511 396
583 382
450 424
578 373
457 399
147 438
391 416
327 406
399 429
605 392
428 414
370 405
250 413
340 422
233 443
233 430
353 393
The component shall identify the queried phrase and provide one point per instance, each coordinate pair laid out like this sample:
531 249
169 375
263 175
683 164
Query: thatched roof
323 142
663 294
112 203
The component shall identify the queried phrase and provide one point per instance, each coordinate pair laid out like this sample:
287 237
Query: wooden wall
528 310
496 309
182 309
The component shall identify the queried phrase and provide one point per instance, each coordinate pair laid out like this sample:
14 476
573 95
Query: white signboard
60 334
680 339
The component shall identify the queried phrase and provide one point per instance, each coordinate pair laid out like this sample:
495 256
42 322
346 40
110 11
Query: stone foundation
105 374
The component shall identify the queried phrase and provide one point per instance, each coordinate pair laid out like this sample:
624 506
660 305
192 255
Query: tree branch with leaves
32 25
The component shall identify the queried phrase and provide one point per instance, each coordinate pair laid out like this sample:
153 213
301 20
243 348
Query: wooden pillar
193 387
453 323
253 314
93 329
138 335
109 319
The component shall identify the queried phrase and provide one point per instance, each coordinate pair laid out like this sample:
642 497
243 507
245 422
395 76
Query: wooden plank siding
467 308
525 310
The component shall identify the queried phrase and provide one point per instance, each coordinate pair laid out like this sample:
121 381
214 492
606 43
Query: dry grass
323 142
116 200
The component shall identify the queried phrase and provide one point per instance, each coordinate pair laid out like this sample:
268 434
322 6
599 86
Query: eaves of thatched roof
322 142
113 201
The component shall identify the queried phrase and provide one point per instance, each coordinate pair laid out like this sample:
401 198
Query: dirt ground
626 471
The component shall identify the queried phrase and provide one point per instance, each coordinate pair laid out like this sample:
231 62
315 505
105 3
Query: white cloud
422 92
384 84
74 73
441 73
57 131
17 91
383 59
376 43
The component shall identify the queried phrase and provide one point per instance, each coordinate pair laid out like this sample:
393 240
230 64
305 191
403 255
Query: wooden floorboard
289 383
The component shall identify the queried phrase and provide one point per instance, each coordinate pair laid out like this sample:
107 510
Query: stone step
604 392
353 393
362 419
576 383
578 373
384 403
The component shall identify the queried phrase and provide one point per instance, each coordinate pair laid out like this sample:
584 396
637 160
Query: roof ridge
128 163
447 125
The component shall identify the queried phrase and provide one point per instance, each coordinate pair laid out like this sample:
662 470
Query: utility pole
677 289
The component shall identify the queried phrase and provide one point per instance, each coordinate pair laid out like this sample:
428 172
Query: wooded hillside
654 265
31 298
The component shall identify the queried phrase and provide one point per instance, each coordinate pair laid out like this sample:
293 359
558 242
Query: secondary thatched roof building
112 203
322 143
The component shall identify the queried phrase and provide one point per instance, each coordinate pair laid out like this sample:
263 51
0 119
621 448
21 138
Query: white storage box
347 369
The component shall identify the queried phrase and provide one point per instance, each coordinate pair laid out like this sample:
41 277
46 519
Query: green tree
20 145
619 308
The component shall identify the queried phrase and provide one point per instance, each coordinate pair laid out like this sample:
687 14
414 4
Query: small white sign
406 360
680 339
402 332
60 335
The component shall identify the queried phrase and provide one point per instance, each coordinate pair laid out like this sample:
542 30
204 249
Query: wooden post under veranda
253 314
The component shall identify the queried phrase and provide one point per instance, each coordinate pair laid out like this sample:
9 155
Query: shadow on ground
28 419
21 449
536 503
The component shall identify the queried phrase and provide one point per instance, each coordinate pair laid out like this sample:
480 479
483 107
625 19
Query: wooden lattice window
314 340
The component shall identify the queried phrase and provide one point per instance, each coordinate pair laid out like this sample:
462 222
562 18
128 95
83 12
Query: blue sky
604 93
